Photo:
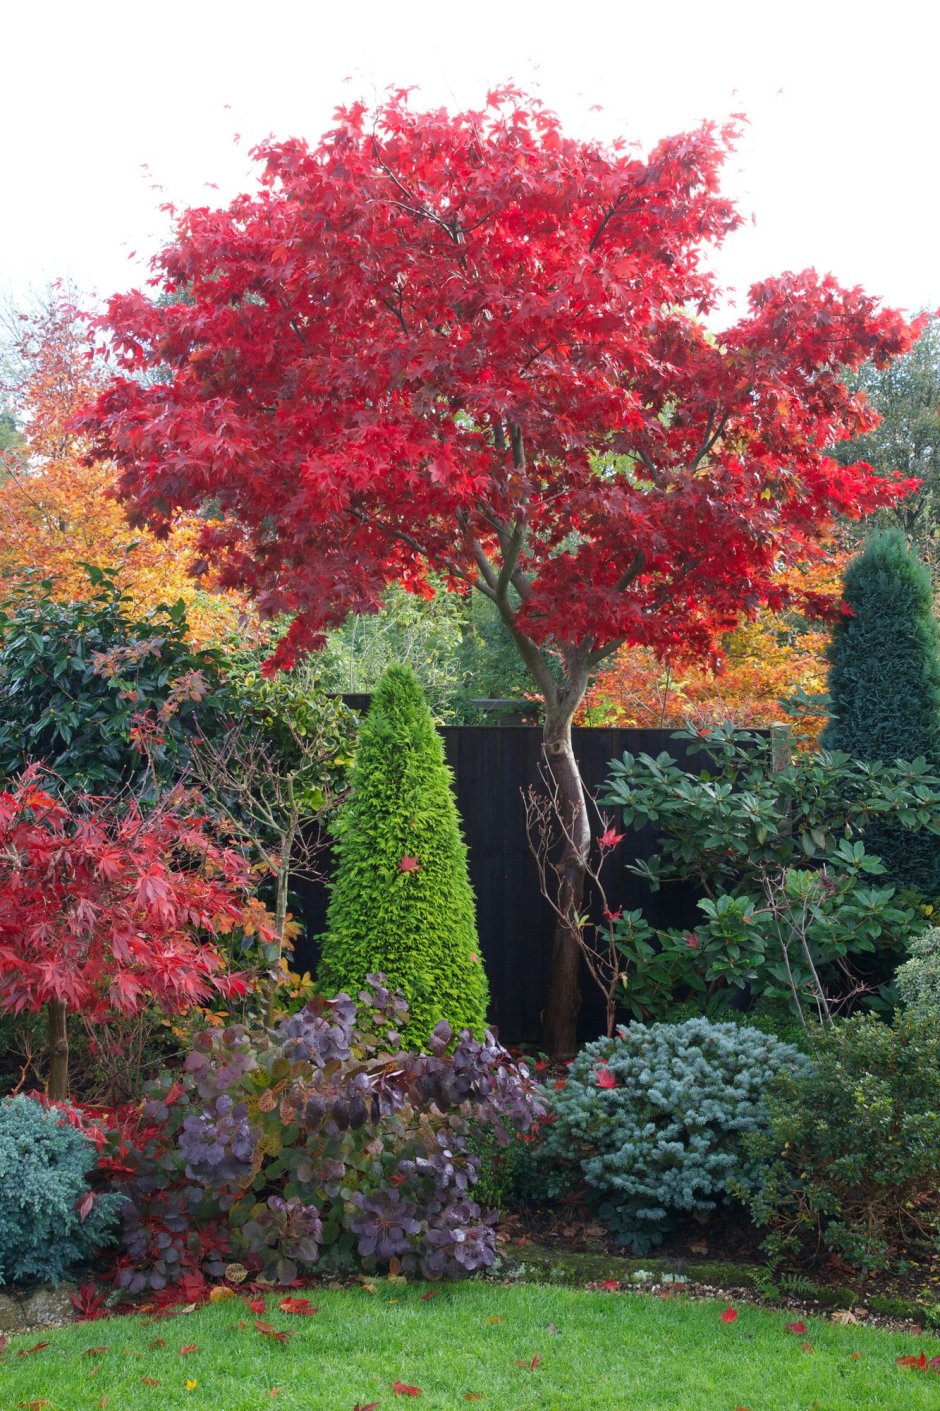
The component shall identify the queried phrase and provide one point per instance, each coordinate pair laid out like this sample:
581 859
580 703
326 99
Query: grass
463 1347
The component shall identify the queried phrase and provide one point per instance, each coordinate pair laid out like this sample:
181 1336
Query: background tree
470 344
56 511
401 902
906 396
753 673
884 687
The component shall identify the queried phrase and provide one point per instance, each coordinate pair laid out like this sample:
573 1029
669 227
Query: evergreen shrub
847 1159
918 979
884 689
655 1118
45 1166
401 902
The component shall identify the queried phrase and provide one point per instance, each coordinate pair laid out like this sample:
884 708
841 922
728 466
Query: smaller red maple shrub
106 908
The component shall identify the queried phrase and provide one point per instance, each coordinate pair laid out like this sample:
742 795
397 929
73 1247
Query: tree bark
57 1032
560 1015
280 917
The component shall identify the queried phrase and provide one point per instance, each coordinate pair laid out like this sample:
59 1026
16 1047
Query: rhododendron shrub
322 1137
471 344
105 910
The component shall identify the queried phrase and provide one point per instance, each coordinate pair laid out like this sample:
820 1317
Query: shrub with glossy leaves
50 1219
655 1118
849 1154
324 1135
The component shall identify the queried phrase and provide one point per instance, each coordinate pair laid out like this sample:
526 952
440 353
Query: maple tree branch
636 567
710 439
454 232
616 209
396 311
397 533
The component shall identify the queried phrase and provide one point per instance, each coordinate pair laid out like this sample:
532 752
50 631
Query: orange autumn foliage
762 661
56 512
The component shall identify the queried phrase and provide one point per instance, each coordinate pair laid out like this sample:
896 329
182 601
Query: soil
723 1251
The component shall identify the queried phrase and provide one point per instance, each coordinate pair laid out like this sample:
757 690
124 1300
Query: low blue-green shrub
654 1120
45 1164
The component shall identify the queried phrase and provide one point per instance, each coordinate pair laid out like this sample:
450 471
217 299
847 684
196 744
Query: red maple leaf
920 1363
729 1315
187 1348
403 1389
611 1286
301 1306
431 1293
408 864
272 1332
605 1079
530 1366
799 1327
610 838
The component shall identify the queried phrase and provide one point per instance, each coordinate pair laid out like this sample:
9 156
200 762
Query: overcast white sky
839 167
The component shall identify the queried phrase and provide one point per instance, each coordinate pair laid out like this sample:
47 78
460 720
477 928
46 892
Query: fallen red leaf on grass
610 1285
28 1351
472 1396
256 1305
149 1382
799 1327
301 1306
271 1332
3 1344
729 1315
919 1362
187 1348
531 1366
403 1389
369 1406
95 1351
431 1293
806 1347
155 1342
34 1405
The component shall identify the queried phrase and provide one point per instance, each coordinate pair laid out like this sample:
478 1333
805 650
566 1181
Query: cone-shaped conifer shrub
401 902
884 687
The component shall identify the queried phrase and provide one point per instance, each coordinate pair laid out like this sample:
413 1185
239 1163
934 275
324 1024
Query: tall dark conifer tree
884 687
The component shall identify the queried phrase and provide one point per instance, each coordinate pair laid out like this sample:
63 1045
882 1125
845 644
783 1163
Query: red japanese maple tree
104 910
469 343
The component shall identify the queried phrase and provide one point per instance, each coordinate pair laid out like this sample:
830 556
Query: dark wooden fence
492 766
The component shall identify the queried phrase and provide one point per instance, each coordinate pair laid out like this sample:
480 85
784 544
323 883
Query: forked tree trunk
560 1015
57 1033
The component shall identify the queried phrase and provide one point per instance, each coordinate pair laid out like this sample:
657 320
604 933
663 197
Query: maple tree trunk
58 1050
280 920
560 1015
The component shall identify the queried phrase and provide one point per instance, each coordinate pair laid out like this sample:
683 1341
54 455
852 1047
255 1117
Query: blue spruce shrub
45 1164
655 1117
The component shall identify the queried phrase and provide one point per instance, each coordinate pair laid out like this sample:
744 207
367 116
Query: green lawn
464 1347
